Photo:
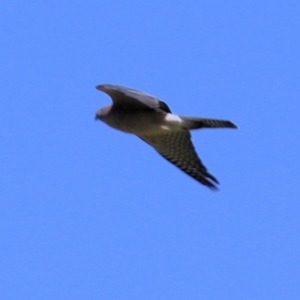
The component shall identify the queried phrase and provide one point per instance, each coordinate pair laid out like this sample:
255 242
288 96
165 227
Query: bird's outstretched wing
178 148
130 99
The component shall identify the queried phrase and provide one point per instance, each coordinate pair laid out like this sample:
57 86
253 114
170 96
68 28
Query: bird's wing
133 99
178 148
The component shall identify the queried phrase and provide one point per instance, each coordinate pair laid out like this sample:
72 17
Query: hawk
152 120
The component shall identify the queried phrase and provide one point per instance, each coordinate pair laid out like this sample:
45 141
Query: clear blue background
88 212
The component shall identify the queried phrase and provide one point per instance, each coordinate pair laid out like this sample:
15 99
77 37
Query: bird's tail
196 123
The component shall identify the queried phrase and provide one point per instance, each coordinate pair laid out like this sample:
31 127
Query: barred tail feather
197 123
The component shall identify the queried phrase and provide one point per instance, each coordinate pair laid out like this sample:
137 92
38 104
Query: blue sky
88 212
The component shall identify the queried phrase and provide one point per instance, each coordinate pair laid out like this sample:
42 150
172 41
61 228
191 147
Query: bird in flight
152 120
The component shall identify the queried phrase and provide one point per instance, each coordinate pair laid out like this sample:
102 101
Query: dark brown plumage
152 120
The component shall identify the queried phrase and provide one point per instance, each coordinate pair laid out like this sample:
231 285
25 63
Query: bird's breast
139 123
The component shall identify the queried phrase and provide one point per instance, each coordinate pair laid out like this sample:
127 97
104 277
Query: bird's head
102 113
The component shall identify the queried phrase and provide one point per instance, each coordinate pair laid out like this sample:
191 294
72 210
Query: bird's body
152 120
149 123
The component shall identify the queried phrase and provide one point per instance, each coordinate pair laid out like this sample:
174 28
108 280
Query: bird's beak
96 117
